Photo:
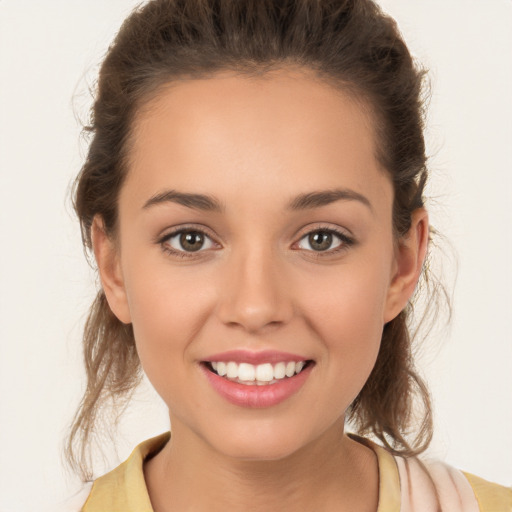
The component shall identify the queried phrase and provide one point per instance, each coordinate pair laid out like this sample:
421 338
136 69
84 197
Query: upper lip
247 356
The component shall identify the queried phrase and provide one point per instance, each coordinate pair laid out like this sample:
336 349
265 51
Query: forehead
285 130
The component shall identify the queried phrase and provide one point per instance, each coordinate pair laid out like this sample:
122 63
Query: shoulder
490 496
436 482
124 488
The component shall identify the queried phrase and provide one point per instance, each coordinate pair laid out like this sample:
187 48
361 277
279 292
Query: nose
254 295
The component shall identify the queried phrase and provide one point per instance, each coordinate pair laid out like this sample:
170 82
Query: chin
260 443
263 452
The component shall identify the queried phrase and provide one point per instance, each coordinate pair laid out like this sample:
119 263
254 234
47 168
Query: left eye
189 241
322 240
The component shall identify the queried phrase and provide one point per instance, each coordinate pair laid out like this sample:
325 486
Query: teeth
260 374
221 369
264 372
299 366
232 370
247 372
279 371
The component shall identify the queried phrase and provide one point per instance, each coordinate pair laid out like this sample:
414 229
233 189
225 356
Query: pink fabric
443 488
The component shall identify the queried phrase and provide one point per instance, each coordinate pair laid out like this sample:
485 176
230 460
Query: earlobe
109 267
410 255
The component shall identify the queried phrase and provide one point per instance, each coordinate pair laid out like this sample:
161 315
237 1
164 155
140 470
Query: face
255 228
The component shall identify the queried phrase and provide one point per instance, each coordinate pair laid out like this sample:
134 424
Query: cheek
352 328
349 302
163 297
167 310
347 315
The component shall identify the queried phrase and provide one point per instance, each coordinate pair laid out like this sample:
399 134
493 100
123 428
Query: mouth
266 374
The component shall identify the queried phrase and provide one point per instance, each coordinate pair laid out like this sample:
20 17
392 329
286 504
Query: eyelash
346 241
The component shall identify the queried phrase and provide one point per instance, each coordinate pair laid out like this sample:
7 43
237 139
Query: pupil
191 241
320 241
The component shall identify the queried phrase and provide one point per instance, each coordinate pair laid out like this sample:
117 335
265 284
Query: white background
49 53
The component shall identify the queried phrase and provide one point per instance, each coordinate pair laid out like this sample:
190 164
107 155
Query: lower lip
257 396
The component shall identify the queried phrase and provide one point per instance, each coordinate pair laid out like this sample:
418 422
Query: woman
253 196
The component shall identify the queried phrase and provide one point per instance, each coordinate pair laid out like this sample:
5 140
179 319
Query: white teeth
221 369
246 372
279 371
232 370
290 369
257 374
264 372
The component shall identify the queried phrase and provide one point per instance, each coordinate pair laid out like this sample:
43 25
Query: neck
332 473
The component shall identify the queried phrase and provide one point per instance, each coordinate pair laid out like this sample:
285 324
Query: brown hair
350 43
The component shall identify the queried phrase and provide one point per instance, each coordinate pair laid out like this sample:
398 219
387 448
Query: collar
124 488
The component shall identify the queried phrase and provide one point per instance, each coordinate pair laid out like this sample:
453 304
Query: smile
257 375
256 380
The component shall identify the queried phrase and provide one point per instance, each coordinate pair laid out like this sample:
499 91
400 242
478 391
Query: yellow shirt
403 486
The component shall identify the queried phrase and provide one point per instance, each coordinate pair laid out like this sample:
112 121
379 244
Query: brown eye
320 241
323 240
189 241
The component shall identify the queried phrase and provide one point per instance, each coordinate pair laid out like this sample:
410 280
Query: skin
255 144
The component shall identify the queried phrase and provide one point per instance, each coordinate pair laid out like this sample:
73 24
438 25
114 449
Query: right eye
187 241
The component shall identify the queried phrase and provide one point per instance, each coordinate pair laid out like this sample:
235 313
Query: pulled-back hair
348 43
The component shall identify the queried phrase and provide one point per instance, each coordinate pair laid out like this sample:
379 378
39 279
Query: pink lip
246 356
256 396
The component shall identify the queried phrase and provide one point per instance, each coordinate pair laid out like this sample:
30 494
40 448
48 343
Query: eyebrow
195 201
324 197
305 201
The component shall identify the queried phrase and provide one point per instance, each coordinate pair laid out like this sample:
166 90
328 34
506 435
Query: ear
409 257
109 266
